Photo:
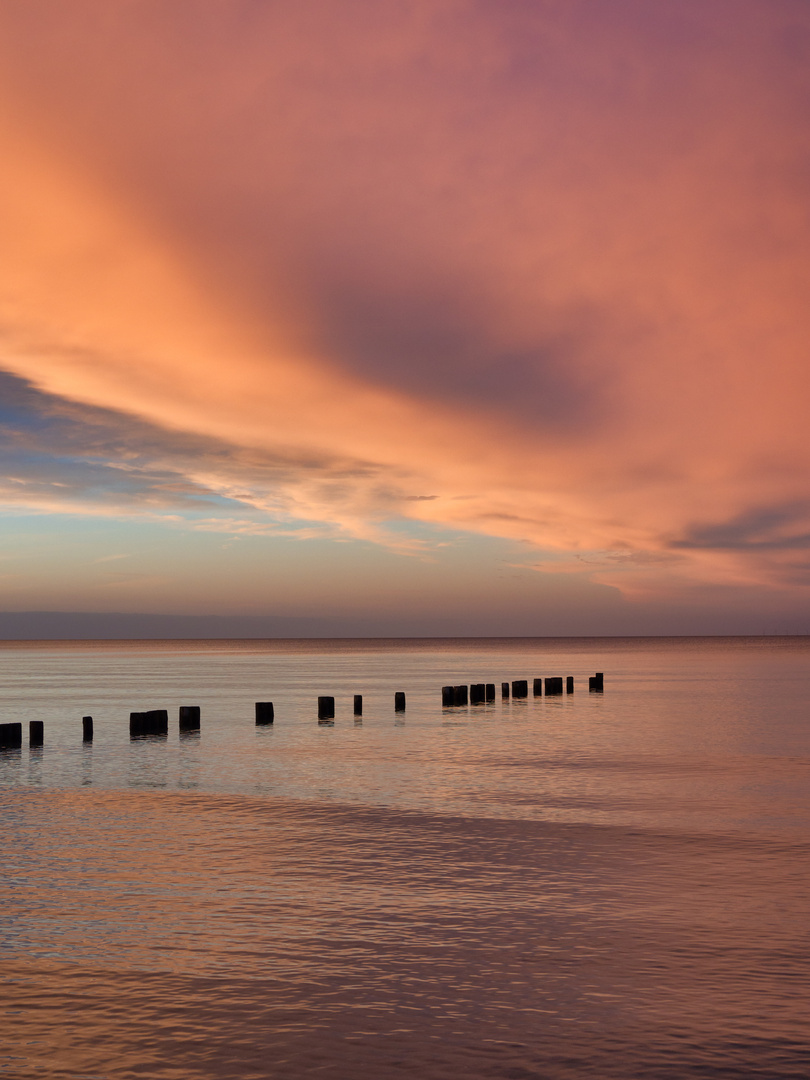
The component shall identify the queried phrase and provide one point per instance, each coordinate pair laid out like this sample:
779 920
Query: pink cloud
545 263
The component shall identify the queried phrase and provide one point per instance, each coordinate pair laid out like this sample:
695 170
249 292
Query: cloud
63 454
545 262
763 528
65 457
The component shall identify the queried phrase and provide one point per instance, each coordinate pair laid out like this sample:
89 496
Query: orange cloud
544 264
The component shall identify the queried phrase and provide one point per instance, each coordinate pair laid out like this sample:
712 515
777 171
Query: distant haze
95 626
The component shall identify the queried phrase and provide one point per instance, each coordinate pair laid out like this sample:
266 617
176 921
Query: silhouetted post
490 691
358 704
537 687
190 717
477 693
554 685
87 729
448 696
520 688
36 733
569 684
460 695
158 720
137 724
597 682
504 689
265 714
10 736
399 701
326 708
152 722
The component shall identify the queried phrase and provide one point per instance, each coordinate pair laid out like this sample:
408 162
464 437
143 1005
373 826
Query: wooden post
504 690
569 684
158 722
490 691
36 733
152 722
358 704
477 693
597 682
190 717
137 724
10 736
538 687
460 695
399 701
265 714
448 697
520 688
326 708
87 729
554 685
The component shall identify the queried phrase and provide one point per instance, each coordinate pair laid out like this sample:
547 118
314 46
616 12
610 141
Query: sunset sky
415 316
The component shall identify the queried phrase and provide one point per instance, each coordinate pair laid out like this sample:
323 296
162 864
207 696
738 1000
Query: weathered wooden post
569 684
477 693
137 724
36 733
504 689
537 687
358 704
326 708
597 682
190 717
151 722
87 729
460 695
157 721
399 701
448 697
554 685
490 691
264 712
10 736
520 688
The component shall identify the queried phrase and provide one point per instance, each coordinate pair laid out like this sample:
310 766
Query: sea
600 885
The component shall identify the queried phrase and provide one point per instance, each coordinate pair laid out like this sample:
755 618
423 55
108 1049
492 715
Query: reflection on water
594 886
177 935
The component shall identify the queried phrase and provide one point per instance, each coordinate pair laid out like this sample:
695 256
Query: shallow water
599 885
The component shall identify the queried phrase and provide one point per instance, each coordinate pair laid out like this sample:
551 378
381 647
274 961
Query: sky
407 316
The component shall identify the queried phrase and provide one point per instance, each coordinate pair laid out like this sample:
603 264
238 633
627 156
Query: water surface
595 885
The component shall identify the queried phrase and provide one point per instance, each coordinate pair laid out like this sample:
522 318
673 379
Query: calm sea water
598 885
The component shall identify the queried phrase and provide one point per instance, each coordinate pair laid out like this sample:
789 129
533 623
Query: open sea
608 885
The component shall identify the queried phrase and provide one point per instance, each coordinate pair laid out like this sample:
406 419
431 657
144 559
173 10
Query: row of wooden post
483 692
153 722
11 735
156 721
326 707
